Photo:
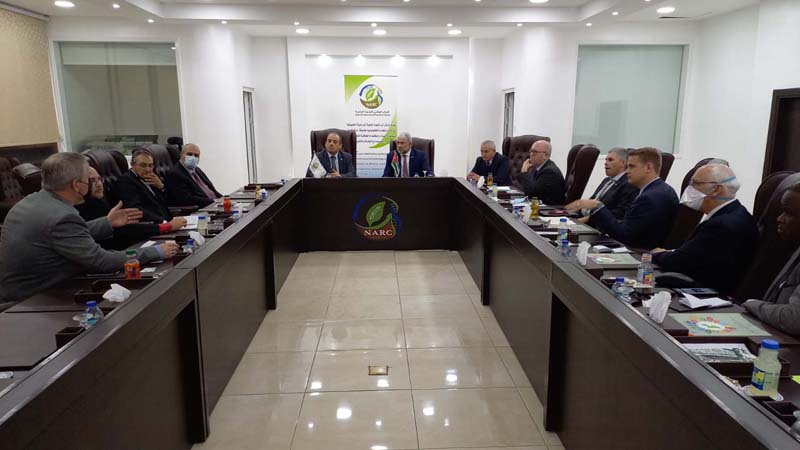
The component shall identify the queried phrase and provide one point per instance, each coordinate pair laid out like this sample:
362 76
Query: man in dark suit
406 161
780 307
541 178
336 162
187 185
649 219
141 188
491 162
717 252
614 191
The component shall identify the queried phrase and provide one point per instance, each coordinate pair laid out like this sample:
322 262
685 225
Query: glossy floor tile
423 269
286 336
299 308
304 287
362 334
473 418
355 421
253 422
513 366
444 305
445 368
430 284
493 329
271 373
349 371
422 257
367 270
353 307
445 332
365 286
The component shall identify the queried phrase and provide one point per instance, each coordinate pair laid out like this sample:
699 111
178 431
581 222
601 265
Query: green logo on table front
376 217
371 96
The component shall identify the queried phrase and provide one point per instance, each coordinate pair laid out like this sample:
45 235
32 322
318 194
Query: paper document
503 188
191 223
721 352
554 221
148 244
613 258
693 302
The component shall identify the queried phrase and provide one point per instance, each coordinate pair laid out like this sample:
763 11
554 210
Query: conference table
150 374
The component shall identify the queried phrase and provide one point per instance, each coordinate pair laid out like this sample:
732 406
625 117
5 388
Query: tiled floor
453 382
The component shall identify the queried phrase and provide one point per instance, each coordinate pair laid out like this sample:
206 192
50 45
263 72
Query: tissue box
64 336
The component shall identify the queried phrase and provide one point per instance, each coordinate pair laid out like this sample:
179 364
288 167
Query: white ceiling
417 18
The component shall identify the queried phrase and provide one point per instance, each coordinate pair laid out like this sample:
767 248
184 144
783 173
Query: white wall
485 97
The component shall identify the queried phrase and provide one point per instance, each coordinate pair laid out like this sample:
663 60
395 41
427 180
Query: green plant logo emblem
376 217
371 96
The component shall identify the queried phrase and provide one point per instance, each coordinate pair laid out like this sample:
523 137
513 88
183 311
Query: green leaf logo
375 213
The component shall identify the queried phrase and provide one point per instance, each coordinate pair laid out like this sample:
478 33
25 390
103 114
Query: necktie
334 164
606 187
405 166
203 187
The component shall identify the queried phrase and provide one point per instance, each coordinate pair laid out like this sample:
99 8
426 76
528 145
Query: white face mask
191 162
692 198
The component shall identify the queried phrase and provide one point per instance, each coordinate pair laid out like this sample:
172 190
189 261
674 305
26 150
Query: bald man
541 177
717 252
186 184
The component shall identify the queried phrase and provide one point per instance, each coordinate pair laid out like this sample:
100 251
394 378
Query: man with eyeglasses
717 252
46 242
541 178
141 188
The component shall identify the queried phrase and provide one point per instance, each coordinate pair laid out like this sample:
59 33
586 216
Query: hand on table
578 205
582 219
169 249
177 223
334 174
119 216
472 176
658 250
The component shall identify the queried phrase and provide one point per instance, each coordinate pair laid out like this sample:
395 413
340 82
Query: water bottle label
647 278
758 378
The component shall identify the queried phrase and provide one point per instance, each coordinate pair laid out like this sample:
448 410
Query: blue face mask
191 162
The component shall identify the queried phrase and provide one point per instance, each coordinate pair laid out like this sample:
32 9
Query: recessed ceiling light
406 1
64 4
454 32
296 23
373 24
538 1
379 32
449 25
115 5
150 20
666 10
224 22
615 13
477 1
302 31
588 24
519 24
173 47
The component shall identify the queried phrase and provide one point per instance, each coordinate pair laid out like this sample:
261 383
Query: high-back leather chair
686 219
517 150
176 141
10 190
349 141
765 191
161 159
688 178
174 153
29 177
771 251
106 163
426 145
120 159
667 159
578 173
571 155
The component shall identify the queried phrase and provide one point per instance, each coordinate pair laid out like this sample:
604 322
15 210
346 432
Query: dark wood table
29 338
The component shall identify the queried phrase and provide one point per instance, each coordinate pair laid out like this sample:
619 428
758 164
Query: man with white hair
540 177
717 252
406 161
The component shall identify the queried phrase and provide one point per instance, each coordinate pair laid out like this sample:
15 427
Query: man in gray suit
781 304
336 162
45 241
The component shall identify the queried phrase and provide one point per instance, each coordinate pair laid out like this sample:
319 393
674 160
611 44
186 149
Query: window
250 136
118 95
508 115
628 96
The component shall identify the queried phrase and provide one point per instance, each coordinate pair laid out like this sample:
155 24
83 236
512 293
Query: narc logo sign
376 217
371 96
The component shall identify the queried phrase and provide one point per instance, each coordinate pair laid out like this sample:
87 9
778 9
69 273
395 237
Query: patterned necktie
203 187
405 166
334 164
605 189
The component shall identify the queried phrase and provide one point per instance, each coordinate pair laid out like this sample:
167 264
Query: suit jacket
134 194
718 251
547 184
122 237
182 190
648 220
45 242
417 163
781 305
619 196
500 169
343 159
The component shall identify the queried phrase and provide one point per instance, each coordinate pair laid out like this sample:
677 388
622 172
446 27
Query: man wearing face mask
46 242
141 188
717 252
95 207
187 185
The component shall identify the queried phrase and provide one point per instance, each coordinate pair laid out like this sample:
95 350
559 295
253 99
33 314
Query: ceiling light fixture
519 24
666 10
538 1
115 5
588 24
449 25
379 32
64 4
224 22
150 21
296 23
302 31
615 13
373 24
454 32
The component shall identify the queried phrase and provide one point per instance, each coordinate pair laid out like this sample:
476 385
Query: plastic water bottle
189 247
489 180
93 314
133 270
621 290
202 224
766 369
563 229
564 247
237 213
534 209
263 194
644 274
